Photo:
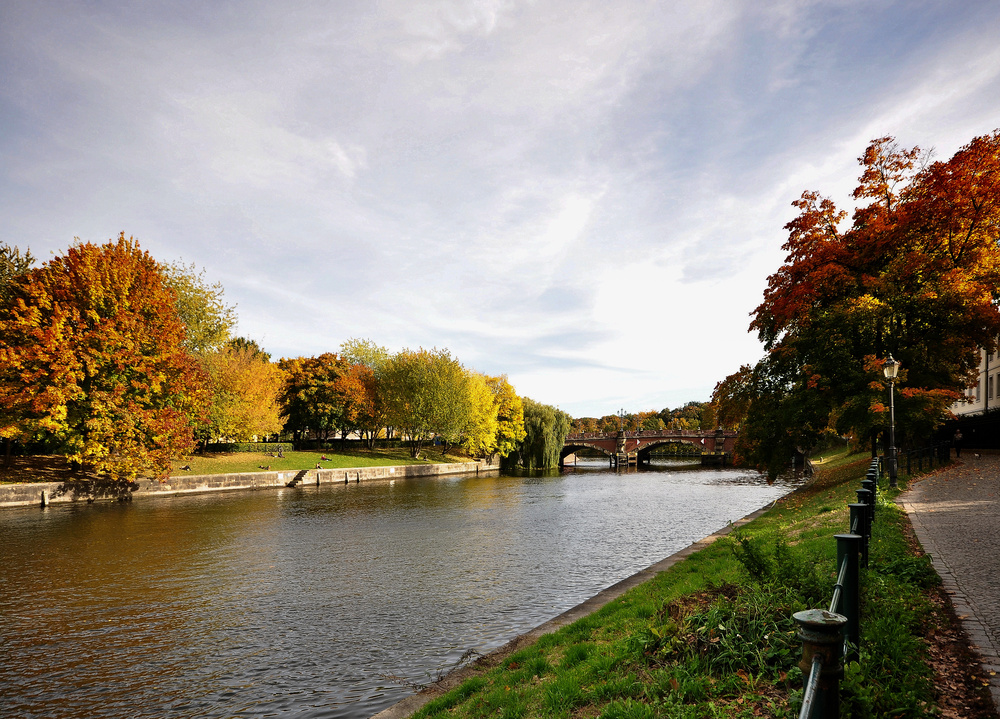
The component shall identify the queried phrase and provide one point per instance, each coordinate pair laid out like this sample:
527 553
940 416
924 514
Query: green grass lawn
713 635
257 461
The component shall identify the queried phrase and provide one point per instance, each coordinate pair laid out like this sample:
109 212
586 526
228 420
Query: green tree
251 346
12 264
207 319
372 410
426 393
545 435
364 352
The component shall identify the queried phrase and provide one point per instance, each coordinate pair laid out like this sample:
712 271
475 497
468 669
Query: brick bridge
716 446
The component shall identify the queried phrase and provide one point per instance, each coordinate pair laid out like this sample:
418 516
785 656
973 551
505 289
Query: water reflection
256 604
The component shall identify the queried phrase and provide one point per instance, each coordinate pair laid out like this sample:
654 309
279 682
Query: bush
249 447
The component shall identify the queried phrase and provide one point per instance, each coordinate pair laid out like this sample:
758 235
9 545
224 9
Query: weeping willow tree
545 434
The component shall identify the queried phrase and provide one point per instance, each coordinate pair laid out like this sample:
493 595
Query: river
321 601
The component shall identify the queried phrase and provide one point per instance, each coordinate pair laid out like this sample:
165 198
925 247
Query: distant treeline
693 415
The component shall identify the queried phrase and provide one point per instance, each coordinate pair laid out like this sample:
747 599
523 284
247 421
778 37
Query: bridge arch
572 447
644 452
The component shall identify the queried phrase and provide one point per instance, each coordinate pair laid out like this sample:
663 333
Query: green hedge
249 447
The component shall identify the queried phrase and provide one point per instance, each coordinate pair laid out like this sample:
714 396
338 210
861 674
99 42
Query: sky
585 196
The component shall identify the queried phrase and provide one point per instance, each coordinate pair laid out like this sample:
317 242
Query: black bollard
821 635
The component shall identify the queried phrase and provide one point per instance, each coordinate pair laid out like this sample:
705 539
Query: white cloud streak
588 196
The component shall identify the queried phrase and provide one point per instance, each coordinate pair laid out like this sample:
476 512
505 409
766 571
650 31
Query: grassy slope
55 468
703 640
254 461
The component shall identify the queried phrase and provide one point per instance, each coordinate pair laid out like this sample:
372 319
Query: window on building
989 387
979 386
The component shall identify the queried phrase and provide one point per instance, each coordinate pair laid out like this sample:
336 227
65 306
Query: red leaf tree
91 356
915 274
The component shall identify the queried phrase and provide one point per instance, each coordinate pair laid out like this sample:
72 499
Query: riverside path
956 515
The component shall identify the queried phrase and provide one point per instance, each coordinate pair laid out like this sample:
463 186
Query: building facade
985 394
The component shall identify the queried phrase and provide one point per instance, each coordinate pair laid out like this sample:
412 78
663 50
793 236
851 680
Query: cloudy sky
587 196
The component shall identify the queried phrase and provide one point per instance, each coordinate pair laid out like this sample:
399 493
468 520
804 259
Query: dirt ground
41 468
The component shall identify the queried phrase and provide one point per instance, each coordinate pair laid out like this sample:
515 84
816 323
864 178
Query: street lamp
891 368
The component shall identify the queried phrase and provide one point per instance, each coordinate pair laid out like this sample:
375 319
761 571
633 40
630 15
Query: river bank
712 635
42 493
414 703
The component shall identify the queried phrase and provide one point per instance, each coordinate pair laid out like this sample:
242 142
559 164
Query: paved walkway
956 515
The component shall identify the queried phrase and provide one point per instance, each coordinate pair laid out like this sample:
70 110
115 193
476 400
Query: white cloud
588 195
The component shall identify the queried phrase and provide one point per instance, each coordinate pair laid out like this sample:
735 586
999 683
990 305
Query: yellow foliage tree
246 393
510 416
480 435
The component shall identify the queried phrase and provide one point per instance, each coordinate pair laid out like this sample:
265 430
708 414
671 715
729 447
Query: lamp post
891 368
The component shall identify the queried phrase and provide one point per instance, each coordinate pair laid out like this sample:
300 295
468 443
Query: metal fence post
850 599
908 470
820 632
869 484
861 527
864 497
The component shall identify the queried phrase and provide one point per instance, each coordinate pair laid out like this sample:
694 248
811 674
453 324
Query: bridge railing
649 433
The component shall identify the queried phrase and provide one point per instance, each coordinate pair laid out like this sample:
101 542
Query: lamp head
890 368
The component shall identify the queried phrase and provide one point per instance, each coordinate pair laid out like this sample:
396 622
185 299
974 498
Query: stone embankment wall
14 495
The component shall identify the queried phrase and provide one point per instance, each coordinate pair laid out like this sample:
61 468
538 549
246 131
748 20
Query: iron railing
832 637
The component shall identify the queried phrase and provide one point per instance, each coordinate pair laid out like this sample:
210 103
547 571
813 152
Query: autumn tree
479 436
583 425
915 275
372 410
362 409
92 356
510 416
312 399
208 320
246 390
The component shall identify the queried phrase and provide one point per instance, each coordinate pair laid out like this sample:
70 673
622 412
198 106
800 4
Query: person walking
957 441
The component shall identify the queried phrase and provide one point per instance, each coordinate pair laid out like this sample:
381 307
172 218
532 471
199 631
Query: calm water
302 603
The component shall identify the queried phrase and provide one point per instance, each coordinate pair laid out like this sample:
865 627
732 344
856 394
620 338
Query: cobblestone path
956 515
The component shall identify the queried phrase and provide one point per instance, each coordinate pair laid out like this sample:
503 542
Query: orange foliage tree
91 355
312 399
915 274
